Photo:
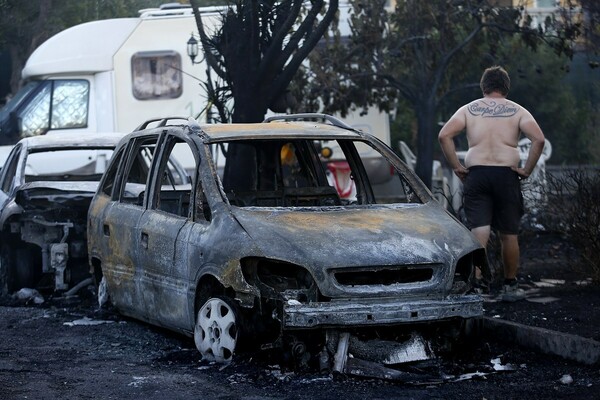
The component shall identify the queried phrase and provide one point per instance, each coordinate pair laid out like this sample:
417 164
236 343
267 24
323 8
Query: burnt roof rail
287 117
309 117
163 122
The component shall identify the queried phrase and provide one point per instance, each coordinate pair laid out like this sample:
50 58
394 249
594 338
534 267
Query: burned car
46 187
261 248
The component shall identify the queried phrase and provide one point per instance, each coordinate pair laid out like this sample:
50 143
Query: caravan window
58 104
70 104
156 75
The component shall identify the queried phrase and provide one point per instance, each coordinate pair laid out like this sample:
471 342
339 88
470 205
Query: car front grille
389 275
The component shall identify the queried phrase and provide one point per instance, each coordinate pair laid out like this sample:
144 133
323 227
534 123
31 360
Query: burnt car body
46 187
261 244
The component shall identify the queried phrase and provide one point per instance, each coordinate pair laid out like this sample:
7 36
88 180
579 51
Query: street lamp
192 48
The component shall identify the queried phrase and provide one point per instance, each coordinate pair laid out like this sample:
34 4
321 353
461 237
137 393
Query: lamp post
192 49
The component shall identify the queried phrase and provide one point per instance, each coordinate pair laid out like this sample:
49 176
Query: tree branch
284 78
282 31
211 60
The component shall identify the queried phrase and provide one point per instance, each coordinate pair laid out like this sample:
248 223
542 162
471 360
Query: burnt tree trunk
426 129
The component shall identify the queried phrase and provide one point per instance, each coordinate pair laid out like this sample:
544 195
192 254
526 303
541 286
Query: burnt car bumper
379 312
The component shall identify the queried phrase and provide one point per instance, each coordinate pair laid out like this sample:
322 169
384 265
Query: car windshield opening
67 164
302 172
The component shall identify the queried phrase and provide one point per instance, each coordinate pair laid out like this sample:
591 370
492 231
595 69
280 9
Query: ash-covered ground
70 349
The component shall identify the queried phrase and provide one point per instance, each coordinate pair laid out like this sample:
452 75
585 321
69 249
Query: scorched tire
6 268
27 270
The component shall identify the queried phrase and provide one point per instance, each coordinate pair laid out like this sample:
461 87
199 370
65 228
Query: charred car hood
358 236
34 194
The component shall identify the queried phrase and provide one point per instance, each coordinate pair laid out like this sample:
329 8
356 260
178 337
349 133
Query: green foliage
590 28
403 126
539 83
336 80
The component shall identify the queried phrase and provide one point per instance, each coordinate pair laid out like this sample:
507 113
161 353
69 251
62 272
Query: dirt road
70 350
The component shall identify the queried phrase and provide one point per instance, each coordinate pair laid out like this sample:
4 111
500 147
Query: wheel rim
216 331
102 292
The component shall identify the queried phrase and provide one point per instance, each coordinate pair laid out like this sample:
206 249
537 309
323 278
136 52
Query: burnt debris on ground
45 349
59 341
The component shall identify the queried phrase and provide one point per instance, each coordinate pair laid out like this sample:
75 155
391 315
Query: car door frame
123 274
163 238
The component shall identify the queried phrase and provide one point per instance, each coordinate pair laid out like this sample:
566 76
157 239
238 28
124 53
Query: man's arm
533 132
452 128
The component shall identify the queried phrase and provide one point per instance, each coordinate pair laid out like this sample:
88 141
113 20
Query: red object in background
341 172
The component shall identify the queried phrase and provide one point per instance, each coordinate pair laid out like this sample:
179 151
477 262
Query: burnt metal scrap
412 360
275 242
415 348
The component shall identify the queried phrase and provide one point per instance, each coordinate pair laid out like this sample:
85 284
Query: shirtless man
491 174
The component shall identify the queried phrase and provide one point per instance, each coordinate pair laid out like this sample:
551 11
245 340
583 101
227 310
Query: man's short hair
495 79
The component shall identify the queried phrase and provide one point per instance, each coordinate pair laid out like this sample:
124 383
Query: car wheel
6 265
216 330
26 271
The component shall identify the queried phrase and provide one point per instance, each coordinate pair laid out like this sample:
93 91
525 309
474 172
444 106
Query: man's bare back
493 125
492 131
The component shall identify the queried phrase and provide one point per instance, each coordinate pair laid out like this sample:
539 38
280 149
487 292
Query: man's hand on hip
461 172
522 173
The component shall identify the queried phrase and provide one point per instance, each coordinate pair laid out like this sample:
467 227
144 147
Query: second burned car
45 191
263 246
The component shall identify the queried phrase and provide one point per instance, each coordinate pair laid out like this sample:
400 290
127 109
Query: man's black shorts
492 196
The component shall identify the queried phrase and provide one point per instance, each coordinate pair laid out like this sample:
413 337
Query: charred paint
232 275
373 220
